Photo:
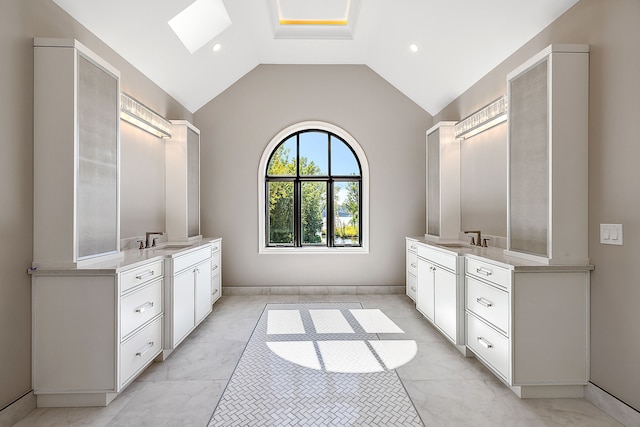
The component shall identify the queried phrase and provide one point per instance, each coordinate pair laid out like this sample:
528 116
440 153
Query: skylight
314 19
200 23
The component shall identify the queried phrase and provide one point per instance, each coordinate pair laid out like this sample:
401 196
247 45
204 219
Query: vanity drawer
412 263
143 274
192 258
412 283
412 246
139 307
140 349
488 344
488 302
444 259
215 263
490 272
216 246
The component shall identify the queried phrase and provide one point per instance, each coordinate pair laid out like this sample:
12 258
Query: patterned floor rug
319 364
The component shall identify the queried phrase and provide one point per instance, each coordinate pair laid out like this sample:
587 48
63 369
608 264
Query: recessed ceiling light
216 47
413 47
200 22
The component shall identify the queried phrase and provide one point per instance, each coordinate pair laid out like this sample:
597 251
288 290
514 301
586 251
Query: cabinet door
425 289
203 290
445 302
97 173
183 305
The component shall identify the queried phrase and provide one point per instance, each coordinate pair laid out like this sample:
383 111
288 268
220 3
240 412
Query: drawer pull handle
484 302
413 265
146 274
484 272
144 307
413 247
486 344
215 248
215 267
413 288
215 291
145 349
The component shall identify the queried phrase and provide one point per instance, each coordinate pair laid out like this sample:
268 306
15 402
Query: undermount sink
454 245
173 247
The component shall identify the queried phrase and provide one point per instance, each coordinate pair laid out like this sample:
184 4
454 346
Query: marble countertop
498 256
129 258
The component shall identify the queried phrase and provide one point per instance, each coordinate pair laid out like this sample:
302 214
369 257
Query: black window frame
298 180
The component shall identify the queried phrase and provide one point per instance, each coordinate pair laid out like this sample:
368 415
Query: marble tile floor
446 388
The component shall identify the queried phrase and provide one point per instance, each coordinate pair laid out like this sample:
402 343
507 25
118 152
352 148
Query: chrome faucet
475 242
153 241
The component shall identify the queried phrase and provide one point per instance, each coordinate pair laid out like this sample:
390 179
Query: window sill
313 250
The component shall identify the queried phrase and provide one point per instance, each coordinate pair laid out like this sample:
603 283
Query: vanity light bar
141 116
483 119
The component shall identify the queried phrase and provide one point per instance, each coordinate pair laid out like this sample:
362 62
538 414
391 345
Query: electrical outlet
611 234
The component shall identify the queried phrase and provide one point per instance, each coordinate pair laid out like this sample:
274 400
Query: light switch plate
611 234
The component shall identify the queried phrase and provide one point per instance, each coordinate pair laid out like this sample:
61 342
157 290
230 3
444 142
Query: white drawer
488 302
140 306
216 288
143 274
412 284
412 263
446 260
412 246
488 344
140 349
216 267
192 258
216 246
487 271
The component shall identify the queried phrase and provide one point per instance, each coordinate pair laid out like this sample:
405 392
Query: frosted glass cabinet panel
76 155
182 172
193 184
433 184
548 156
97 213
529 161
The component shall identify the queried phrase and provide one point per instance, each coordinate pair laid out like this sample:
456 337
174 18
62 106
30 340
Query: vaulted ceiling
457 41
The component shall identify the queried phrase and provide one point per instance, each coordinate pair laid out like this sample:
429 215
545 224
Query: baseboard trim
611 405
18 409
313 290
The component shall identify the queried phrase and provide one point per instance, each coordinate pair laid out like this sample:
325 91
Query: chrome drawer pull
145 349
413 248
215 291
486 344
483 271
214 267
413 265
413 288
484 302
146 274
215 248
144 307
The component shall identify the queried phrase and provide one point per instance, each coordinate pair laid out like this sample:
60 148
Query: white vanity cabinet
443 183
530 325
440 291
548 118
411 274
76 155
94 331
188 294
182 182
216 270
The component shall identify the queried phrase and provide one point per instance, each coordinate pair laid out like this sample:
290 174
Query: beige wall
142 195
611 29
237 126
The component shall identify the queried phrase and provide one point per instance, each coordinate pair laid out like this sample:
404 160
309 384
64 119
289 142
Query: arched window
313 191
